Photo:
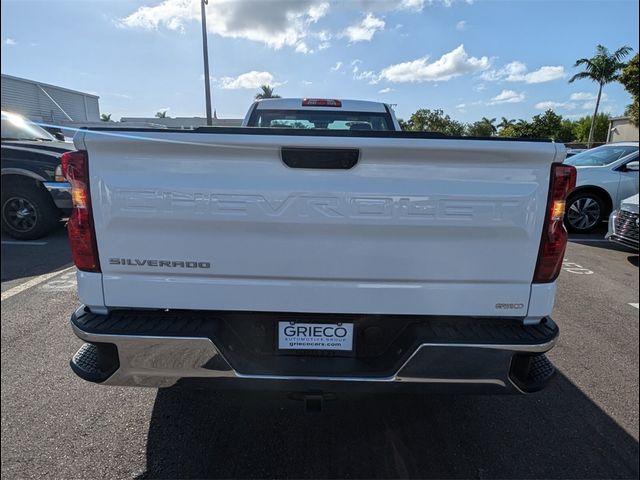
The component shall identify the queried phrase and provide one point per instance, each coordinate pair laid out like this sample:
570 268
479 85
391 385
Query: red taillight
554 235
82 234
321 102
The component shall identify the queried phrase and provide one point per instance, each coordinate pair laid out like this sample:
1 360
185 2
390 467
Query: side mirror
631 166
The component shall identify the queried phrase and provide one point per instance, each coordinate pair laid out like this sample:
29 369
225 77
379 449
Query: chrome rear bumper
123 357
61 194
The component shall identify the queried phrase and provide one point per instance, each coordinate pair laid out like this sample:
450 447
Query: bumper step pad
532 373
89 362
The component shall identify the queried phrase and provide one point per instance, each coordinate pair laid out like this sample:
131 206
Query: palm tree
161 114
602 68
489 122
266 92
105 117
505 122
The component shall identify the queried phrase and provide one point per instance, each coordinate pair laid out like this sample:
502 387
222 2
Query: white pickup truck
316 248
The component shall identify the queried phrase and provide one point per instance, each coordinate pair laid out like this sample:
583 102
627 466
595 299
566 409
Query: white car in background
606 175
624 223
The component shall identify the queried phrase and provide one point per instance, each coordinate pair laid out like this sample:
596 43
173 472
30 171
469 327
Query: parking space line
10 242
634 305
32 283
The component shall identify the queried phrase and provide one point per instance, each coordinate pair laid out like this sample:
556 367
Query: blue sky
472 58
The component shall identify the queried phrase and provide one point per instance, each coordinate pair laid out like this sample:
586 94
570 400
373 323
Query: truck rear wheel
28 212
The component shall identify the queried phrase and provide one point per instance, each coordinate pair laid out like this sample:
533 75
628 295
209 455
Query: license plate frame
296 337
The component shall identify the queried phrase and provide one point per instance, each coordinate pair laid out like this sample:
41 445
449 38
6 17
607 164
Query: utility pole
205 54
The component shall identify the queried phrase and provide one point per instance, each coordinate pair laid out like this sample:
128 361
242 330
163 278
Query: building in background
44 103
621 129
184 122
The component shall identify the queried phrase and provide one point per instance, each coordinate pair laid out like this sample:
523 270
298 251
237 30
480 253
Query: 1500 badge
137 262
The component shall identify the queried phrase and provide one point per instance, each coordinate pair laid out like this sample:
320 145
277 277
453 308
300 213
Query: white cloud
337 66
10 41
545 74
581 96
418 5
461 25
550 104
507 96
307 82
479 87
276 23
317 11
365 30
386 90
415 5
450 65
323 37
546 105
301 47
367 75
253 79
588 99
518 72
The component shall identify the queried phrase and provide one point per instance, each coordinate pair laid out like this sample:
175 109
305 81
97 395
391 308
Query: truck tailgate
202 220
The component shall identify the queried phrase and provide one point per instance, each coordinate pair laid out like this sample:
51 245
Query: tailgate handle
325 158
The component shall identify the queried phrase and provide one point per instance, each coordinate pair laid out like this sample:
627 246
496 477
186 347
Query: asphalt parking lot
585 425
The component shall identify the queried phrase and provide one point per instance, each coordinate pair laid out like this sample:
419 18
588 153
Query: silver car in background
606 175
624 223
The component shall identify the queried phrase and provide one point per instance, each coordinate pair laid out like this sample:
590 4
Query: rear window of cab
326 120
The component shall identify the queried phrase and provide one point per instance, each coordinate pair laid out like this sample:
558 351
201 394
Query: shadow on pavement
28 259
633 260
596 239
606 245
558 433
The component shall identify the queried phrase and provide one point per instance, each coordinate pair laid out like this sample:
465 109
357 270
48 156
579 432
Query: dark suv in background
35 195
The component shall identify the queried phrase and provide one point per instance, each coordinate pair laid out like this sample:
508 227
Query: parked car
624 222
574 151
316 258
606 175
35 195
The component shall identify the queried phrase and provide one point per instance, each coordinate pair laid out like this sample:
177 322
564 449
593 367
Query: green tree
266 91
603 68
162 114
482 128
505 122
425 120
105 117
546 125
517 129
630 79
567 132
583 128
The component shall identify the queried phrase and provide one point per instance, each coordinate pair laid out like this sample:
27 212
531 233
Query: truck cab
321 113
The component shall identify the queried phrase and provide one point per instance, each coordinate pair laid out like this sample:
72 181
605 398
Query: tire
28 212
585 211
